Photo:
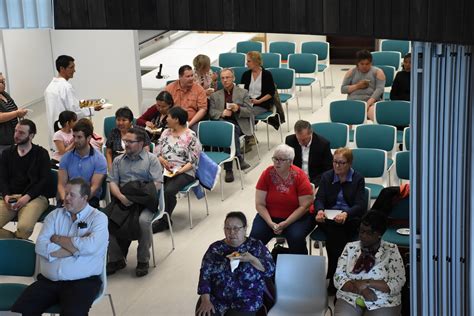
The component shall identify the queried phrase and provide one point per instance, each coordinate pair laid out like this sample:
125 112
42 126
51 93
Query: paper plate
107 106
404 231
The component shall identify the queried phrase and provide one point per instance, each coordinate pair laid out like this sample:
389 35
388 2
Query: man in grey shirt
135 164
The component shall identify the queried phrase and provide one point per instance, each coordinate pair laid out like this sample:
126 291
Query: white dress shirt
89 257
305 157
255 86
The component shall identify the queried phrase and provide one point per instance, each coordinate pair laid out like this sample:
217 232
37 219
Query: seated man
312 151
24 174
71 248
232 104
83 161
136 164
189 95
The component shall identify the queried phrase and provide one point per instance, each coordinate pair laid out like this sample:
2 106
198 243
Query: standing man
83 161
60 95
189 95
24 174
71 248
232 104
312 151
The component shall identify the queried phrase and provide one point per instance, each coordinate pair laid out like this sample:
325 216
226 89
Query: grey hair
229 69
285 150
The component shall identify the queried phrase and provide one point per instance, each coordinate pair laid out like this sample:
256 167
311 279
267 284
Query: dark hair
85 186
125 113
30 124
63 61
139 133
183 68
166 97
301 125
239 215
84 125
180 114
376 220
64 117
408 55
362 55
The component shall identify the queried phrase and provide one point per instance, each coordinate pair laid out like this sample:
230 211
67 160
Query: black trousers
172 187
74 297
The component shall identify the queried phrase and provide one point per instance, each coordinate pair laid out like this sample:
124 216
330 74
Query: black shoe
244 165
113 267
142 269
160 226
229 176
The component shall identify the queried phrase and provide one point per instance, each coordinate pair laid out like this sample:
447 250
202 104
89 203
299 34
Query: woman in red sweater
154 119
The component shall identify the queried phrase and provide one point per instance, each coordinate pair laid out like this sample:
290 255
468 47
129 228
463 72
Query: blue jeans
295 234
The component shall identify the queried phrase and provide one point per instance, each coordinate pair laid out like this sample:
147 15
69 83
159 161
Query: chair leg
171 228
298 107
281 128
268 136
309 246
205 199
189 211
312 102
320 243
240 171
222 186
321 93
324 82
111 303
256 145
152 247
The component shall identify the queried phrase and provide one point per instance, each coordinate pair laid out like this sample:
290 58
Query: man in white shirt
60 95
71 247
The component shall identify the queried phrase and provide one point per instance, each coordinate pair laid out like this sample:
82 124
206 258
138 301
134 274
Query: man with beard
24 174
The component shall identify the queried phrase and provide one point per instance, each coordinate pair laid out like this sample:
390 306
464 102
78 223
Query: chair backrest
319 48
376 136
348 111
401 210
403 47
303 63
396 113
283 48
387 59
109 125
227 60
238 72
271 60
216 134
402 165
371 163
217 70
283 78
170 81
336 133
248 46
18 257
406 138
389 72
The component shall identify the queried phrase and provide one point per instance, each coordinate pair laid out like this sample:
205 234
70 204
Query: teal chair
284 80
186 190
109 124
159 214
387 59
395 113
306 64
402 166
219 135
283 48
217 70
249 46
403 47
322 50
406 138
19 260
238 72
400 214
264 117
389 72
371 163
336 133
350 112
170 81
271 60
377 136
227 60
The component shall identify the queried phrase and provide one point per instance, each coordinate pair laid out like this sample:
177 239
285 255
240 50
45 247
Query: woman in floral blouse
237 291
178 151
370 273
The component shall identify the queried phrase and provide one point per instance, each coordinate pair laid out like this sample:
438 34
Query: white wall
272 37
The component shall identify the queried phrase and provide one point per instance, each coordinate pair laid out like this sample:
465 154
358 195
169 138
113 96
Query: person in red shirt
283 197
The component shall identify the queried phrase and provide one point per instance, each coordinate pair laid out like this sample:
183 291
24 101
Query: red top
282 194
148 116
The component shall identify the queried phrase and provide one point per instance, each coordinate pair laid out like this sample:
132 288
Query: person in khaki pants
24 179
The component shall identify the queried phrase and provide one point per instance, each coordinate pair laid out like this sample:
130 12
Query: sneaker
250 140
244 165
114 266
160 226
142 269
229 176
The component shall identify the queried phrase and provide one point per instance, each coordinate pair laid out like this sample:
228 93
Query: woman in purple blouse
236 290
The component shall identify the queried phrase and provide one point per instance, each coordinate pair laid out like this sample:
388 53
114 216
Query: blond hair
256 57
201 61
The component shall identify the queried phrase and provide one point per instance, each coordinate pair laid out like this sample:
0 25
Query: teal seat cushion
322 67
217 157
392 236
263 116
400 137
386 96
189 186
374 189
304 81
9 293
284 97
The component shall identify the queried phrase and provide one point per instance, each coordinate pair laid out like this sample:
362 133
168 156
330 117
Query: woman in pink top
63 138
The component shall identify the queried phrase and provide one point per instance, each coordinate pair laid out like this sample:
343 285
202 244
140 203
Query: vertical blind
442 180
19 14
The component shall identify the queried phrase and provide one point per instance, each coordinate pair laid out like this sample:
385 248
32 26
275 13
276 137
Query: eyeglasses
2 81
278 160
126 141
339 162
233 229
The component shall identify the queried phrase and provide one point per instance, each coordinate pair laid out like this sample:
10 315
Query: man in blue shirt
71 247
83 161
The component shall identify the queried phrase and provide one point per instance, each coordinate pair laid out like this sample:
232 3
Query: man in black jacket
312 151
24 176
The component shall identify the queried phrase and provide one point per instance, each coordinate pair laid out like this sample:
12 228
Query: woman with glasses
154 119
341 189
282 199
233 272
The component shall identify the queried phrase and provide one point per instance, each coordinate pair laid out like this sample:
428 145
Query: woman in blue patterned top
239 292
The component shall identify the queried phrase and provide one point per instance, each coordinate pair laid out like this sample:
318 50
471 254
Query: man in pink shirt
189 95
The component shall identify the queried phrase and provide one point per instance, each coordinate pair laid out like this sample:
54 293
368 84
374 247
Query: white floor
170 288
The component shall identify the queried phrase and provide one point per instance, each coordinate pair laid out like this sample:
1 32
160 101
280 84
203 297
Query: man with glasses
312 151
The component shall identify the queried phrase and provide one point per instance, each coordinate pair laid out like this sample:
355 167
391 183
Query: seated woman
63 138
364 82
155 117
239 291
340 189
401 83
283 197
178 151
259 83
203 75
370 273
114 144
